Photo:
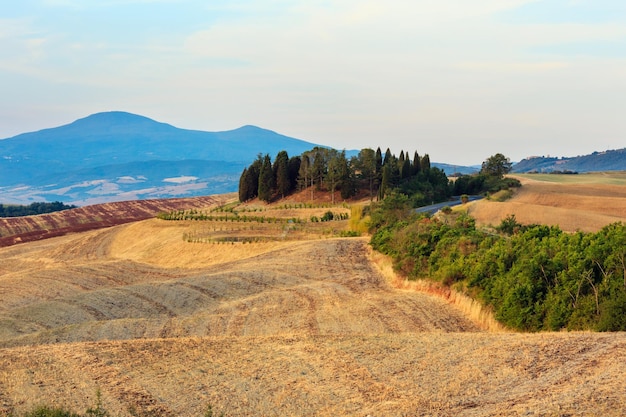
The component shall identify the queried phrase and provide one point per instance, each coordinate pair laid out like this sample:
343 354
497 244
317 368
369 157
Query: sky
460 80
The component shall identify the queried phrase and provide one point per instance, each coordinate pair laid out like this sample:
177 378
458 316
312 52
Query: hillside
168 317
585 202
611 160
15 230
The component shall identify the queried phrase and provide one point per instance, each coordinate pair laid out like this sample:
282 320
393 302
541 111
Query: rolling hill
611 160
306 324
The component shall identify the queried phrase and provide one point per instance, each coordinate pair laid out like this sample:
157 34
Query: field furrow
293 322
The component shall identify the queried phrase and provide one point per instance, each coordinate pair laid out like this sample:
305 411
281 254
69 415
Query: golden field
298 322
584 202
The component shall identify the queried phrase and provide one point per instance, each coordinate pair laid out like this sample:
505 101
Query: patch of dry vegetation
308 327
444 374
570 205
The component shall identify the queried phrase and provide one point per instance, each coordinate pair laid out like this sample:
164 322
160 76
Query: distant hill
456 169
613 160
117 156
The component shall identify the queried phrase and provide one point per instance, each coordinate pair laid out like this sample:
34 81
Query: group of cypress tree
330 170
263 179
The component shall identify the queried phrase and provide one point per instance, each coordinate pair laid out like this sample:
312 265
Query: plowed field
14 230
573 205
303 327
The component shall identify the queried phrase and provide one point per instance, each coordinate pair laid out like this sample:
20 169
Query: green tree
304 172
417 168
266 180
294 169
367 165
379 164
387 157
319 166
348 184
425 163
281 172
338 170
384 182
249 180
496 166
406 170
243 186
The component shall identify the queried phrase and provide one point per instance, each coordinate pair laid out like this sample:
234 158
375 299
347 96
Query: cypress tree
243 186
425 163
253 177
387 157
405 172
294 169
417 168
319 167
281 171
348 183
385 181
266 177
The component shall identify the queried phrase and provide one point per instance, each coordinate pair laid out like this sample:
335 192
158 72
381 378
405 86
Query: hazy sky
458 79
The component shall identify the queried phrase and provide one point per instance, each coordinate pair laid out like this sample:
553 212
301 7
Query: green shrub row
535 277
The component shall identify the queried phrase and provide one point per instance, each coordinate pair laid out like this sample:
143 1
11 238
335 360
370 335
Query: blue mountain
115 156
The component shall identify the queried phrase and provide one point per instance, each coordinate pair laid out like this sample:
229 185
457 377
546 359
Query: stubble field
584 202
285 326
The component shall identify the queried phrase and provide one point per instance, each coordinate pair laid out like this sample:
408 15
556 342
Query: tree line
332 171
7 210
376 173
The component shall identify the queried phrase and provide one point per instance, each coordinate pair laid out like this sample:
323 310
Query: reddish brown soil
15 230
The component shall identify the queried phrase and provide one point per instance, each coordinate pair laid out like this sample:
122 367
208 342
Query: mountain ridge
82 162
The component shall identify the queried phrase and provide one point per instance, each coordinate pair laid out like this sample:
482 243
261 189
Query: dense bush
534 277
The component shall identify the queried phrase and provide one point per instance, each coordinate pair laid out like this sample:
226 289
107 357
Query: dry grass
400 374
311 327
470 308
585 205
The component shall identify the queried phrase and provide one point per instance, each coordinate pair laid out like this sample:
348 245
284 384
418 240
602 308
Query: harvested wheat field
585 202
297 326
